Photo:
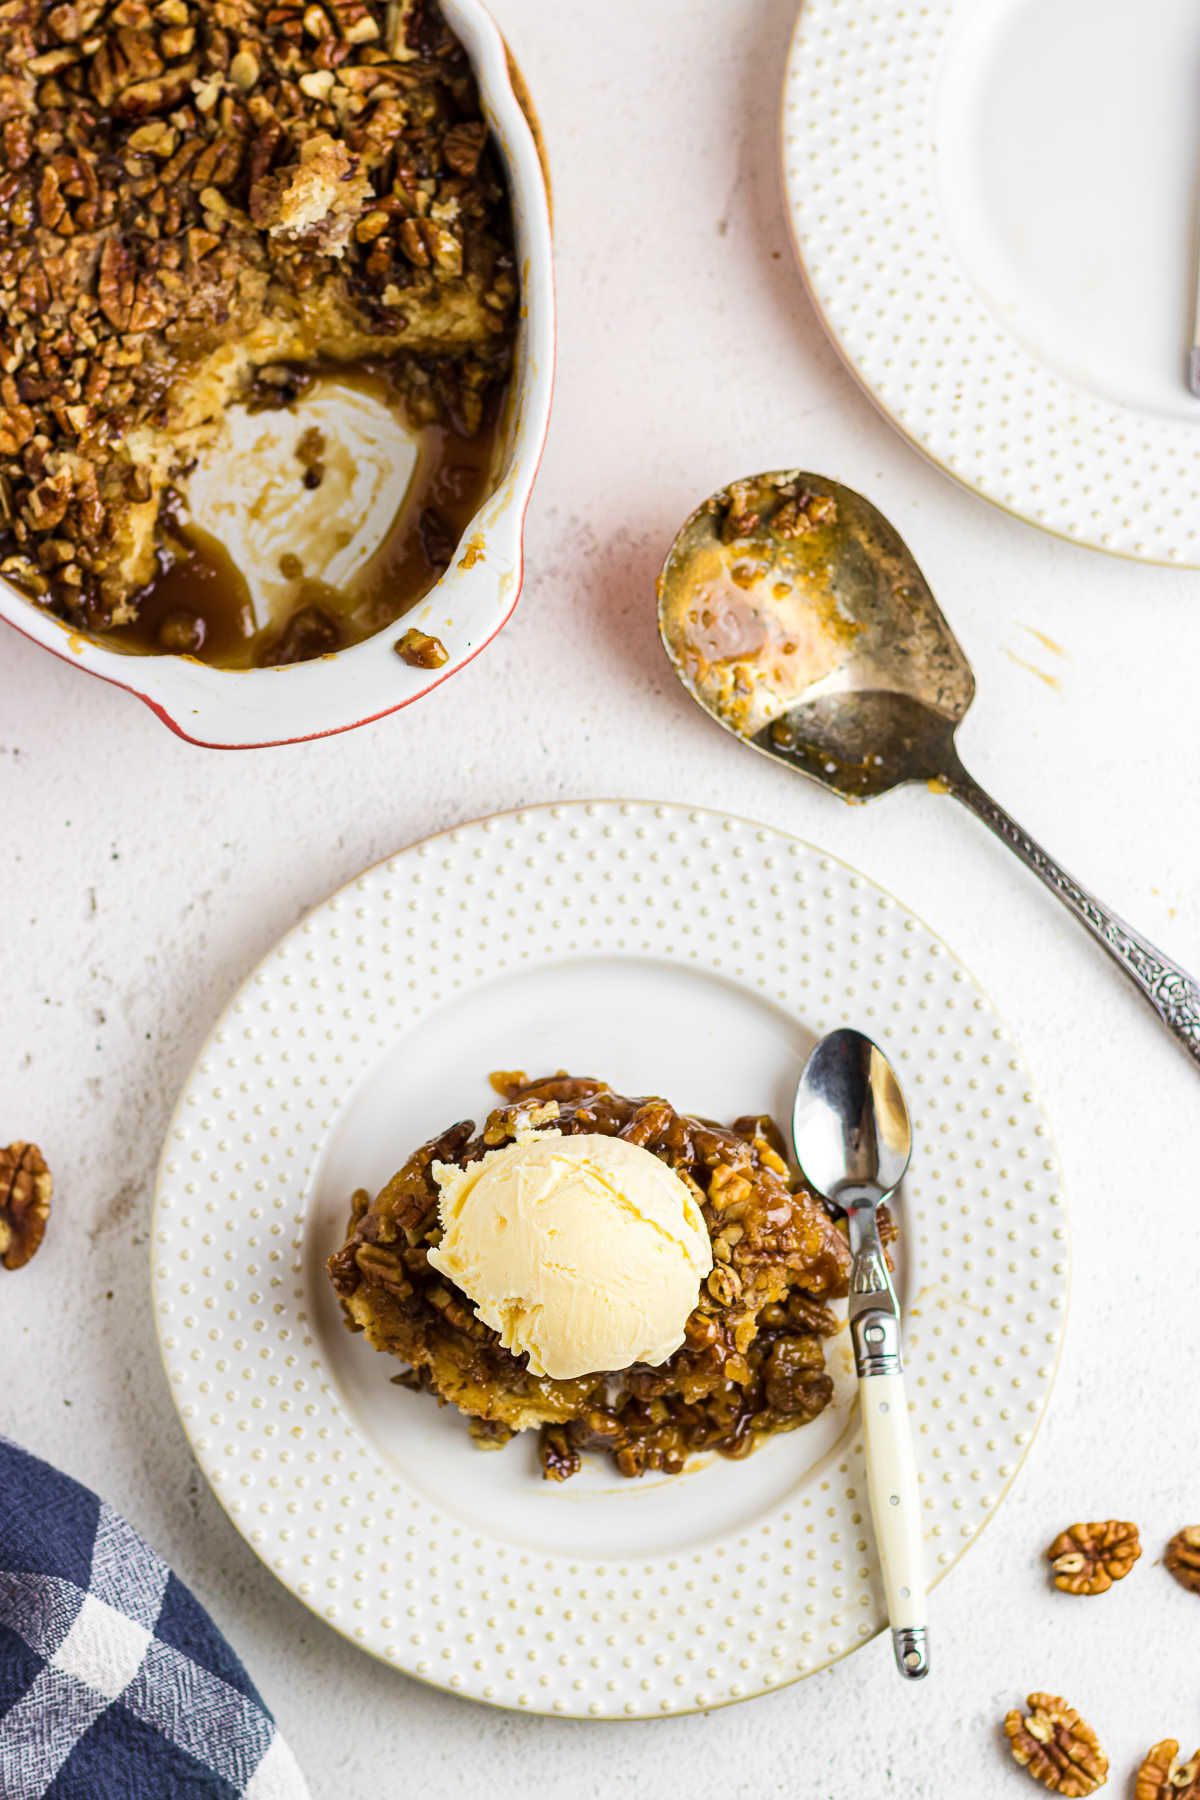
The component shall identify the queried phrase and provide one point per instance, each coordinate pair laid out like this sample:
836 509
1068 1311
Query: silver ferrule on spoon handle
1171 991
874 1314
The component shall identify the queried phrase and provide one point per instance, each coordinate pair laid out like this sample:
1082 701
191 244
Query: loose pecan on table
1087 1559
1058 1748
1163 1777
25 1189
1183 1557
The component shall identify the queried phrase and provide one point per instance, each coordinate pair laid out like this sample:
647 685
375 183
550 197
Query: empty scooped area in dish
306 527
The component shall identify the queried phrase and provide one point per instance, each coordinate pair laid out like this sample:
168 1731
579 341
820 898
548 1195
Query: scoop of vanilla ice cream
585 1253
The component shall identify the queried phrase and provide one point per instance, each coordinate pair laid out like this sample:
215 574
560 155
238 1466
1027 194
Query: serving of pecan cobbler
752 1358
205 204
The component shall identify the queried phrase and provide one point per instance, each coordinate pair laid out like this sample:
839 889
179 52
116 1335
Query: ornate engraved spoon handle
1171 991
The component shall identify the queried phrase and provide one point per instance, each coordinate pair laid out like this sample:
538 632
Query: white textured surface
143 880
879 107
377 1525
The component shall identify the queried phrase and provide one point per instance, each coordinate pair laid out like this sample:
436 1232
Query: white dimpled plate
1011 277
667 950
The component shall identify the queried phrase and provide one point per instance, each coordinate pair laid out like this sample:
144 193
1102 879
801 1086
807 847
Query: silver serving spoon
795 614
853 1140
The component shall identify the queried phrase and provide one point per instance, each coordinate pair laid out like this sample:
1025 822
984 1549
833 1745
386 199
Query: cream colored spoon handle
896 1512
874 1317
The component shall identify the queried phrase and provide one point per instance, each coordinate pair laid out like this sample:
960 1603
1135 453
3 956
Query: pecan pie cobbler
206 202
752 1357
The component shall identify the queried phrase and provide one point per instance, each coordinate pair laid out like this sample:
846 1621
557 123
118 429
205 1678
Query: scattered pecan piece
25 1189
420 651
1183 1557
1163 1777
1057 1747
1087 1559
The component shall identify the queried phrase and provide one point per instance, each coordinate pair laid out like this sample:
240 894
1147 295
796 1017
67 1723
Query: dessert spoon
853 1139
794 613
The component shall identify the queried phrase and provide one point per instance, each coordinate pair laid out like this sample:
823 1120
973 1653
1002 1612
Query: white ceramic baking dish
244 709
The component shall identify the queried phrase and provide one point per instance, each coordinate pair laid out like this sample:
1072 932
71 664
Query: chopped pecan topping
1087 1559
1163 1777
1183 1557
1058 1748
25 1189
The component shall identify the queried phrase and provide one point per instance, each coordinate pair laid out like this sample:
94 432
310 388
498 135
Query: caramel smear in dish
293 512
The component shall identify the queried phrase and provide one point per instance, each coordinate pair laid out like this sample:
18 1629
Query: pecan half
1163 1777
463 146
1058 1748
128 301
1183 1557
25 1189
1087 1559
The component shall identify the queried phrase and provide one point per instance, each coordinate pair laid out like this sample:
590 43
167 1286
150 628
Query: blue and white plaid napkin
114 1682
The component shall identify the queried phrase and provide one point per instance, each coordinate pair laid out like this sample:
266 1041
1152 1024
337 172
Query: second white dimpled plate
666 950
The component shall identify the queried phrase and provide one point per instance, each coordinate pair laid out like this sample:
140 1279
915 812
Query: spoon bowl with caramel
793 612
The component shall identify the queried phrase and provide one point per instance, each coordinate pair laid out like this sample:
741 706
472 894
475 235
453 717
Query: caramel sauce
198 579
